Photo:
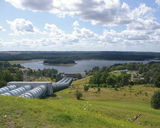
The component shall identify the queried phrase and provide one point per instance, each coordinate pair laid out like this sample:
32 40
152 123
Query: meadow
127 107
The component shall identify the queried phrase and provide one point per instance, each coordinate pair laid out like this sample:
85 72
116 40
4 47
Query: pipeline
39 91
7 88
18 91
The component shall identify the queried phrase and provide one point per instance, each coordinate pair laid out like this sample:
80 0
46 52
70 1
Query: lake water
79 67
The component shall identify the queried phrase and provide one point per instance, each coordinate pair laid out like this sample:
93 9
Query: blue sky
80 25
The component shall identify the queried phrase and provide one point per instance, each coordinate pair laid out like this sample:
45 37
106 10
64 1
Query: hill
107 109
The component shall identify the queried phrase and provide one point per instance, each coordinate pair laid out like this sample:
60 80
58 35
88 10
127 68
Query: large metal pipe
18 91
36 92
61 85
63 82
7 88
63 79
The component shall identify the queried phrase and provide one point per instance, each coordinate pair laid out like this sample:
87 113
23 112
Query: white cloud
53 38
141 24
54 33
52 28
142 28
36 5
83 34
157 2
110 12
142 11
2 29
75 24
22 26
77 35
104 12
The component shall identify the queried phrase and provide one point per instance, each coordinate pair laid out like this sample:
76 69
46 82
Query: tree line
16 72
59 61
9 72
109 55
103 77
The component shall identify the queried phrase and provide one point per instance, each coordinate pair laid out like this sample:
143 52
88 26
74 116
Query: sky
80 25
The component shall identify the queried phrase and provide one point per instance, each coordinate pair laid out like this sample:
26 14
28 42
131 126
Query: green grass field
125 108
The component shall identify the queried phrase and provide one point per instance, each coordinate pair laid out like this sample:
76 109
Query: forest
16 72
10 72
128 74
59 61
103 55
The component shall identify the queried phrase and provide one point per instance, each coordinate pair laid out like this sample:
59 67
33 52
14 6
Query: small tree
98 90
157 82
78 95
2 83
155 101
111 80
86 88
116 88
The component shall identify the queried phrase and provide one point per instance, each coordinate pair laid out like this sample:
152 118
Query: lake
79 67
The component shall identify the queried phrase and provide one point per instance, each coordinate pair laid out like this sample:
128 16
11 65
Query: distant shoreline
71 64
22 61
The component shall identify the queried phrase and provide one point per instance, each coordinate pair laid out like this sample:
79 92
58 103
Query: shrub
116 88
155 101
157 82
131 83
146 94
2 83
98 89
86 88
130 87
78 95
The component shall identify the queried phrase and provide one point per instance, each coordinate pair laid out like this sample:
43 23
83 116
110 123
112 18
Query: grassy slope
107 109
